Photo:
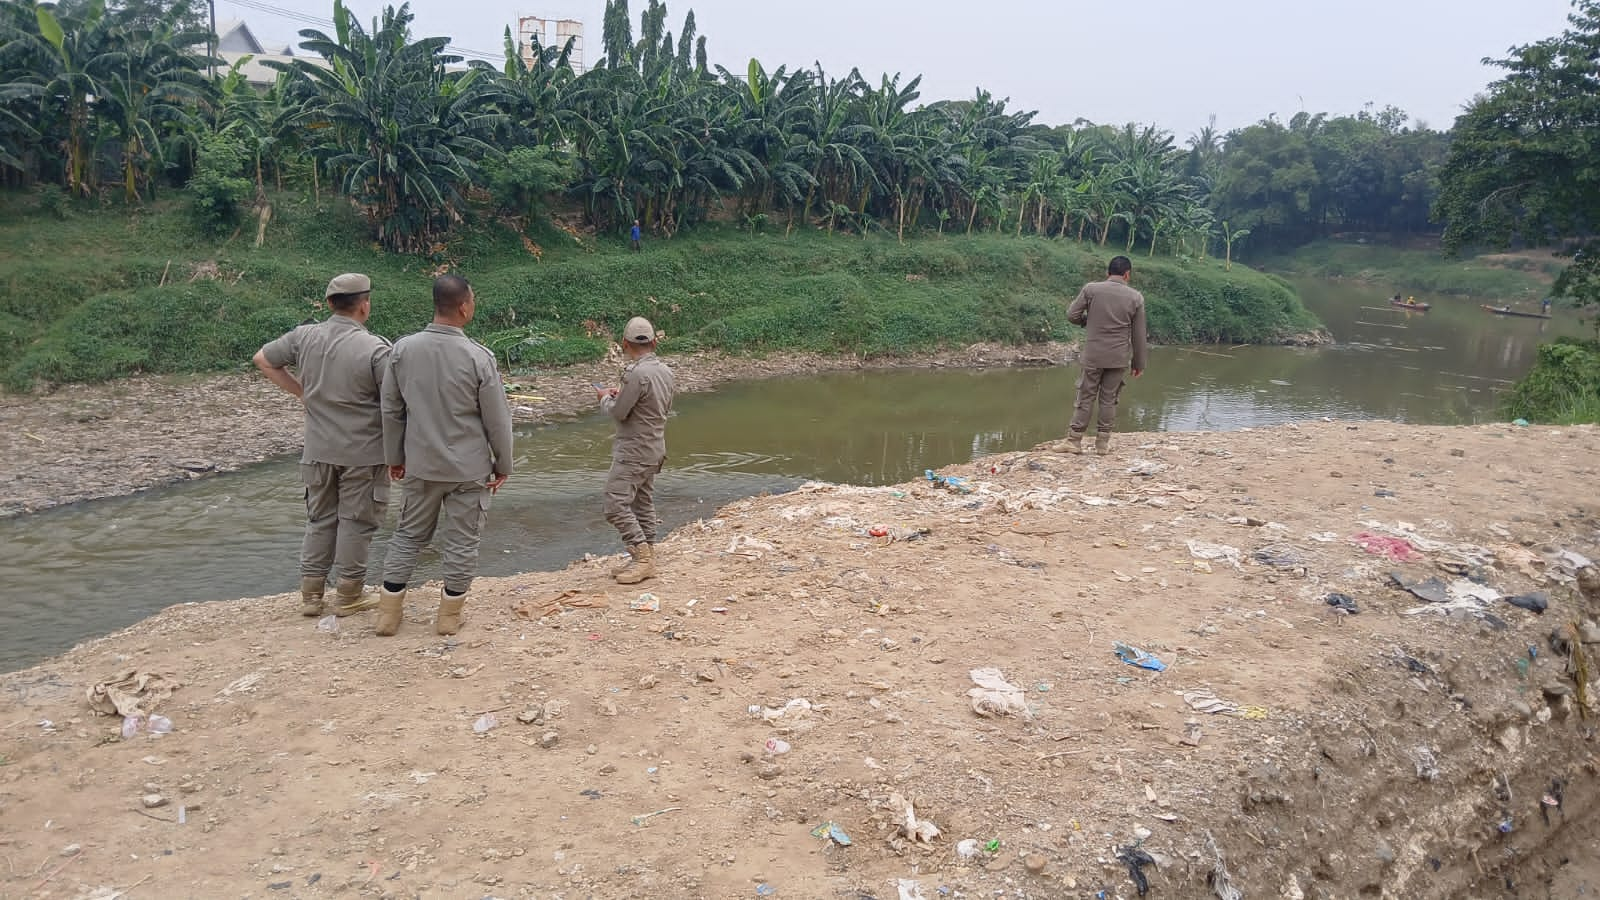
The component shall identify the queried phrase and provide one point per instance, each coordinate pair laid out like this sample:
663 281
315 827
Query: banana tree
1231 236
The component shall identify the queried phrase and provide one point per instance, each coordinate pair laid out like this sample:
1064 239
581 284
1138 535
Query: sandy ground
82 442
1442 753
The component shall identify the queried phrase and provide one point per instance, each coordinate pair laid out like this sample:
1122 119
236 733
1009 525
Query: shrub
218 191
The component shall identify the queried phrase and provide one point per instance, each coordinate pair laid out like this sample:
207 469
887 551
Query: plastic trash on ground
329 624
1395 548
909 889
485 723
832 832
1133 656
920 831
953 483
1204 550
777 747
994 696
645 603
797 708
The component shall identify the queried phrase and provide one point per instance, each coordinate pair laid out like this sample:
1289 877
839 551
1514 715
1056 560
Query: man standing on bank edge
640 408
1112 315
447 434
340 367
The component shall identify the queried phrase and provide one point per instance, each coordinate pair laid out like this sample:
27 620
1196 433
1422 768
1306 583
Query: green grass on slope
1508 277
104 294
1563 387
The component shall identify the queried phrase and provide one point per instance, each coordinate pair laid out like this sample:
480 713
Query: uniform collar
436 328
341 321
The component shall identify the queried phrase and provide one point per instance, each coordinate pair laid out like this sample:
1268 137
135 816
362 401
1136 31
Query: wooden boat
1508 311
1401 304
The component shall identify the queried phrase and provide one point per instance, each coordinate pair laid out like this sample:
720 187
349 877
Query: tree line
102 101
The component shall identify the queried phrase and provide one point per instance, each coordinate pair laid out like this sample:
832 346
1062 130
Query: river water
88 569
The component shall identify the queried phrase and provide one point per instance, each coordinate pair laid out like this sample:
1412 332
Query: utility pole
211 43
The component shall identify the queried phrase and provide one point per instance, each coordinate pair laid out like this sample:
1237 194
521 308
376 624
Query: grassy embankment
1563 387
103 293
1507 277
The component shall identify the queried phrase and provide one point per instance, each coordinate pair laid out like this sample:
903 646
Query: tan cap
348 283
639 331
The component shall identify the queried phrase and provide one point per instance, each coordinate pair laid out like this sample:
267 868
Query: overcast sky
1172 62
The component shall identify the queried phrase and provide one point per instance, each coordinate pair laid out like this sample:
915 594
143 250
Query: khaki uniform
640 409
445 419
1113 317
340 365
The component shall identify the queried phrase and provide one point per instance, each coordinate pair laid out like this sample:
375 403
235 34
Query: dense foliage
1525 164
1563 387
656 133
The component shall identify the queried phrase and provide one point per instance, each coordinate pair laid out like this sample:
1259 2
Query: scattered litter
994 696
329 624
747 546
993 846
529 608
797 708
159 725
645 603
1280 556
645 817
1384 492
777 747
1520 423
909 889
1432 590
832 832
133 693
1247 521
1207 551
1324 537
952 483
130 727
1220 881
1538 601
1397 549
1133 656
1146 468
1136 859
920 831
486 722
765 890
1427 766
968 849
1207 702
1343 602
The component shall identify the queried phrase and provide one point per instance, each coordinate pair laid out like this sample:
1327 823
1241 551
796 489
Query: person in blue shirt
634 235
1545 307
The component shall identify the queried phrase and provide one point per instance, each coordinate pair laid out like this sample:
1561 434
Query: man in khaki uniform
340 367
640 407
447 434
1112 314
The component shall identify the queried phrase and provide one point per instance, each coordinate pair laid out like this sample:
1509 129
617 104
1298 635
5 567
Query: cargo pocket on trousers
484 498
380 497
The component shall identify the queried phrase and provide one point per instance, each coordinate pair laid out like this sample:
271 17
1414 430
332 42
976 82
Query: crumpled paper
994 696
131 693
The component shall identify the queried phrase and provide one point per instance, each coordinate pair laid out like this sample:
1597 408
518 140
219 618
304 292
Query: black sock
394 587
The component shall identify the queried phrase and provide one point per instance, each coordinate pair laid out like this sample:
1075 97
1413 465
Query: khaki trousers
630 501
463 506
1098 387
344 507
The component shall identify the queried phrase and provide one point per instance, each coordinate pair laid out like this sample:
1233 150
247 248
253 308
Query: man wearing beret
338 373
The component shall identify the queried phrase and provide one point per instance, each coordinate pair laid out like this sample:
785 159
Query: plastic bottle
777 747
160 725
130 727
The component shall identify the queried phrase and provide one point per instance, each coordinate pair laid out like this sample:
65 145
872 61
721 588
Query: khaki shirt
641 408
341 366
1113 316
445 416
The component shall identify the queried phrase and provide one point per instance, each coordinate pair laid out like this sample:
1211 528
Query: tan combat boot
642 565
449 619
1102 444
391 609
352 598
311 591
1073 444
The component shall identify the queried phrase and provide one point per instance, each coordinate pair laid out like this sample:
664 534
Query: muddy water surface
85 570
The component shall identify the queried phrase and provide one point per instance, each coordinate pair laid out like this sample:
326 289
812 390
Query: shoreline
637 729
91 442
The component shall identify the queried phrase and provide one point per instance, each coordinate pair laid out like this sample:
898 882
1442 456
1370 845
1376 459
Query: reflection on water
96 567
